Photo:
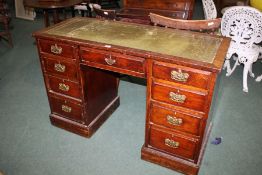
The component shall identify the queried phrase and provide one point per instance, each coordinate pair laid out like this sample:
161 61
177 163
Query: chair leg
250 71
8 34
245 72
227 63
259 78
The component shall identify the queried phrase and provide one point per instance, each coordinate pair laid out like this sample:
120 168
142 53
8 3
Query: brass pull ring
110 61
174 120
59 67
177 97
179 76
56 49
171 143
66 108
64 87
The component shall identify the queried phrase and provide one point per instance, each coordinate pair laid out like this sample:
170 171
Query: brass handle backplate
174 120
56 49
59 67
64 87
177 97
66 108
110 61
171 143
179 75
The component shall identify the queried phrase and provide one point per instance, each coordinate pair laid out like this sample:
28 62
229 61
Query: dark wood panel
192 99
64 86
61 68
181 74
66 108
175 119
172 143
56 48
116 62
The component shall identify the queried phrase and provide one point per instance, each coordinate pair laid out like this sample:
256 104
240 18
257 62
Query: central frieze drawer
172 143
61 68
181 74
174 119
66 108
56 48
64 86
178 96
114 60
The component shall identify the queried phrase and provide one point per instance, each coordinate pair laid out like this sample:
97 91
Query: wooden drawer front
64 87
126 62
175 120
56 48
66 108
180 97
181 74
172 143
61 68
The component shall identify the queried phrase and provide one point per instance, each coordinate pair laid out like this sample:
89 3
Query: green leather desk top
172 42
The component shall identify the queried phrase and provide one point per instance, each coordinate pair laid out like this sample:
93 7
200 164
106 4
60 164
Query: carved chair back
209 8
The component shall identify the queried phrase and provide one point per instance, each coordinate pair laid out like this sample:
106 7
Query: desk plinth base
82 129
168 161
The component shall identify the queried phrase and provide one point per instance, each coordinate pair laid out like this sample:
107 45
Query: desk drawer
177 96
56 48
111 61
64 86
180 74
174 119
170 142
66 108
62 68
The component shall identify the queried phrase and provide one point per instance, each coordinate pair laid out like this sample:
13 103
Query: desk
80 60
49 5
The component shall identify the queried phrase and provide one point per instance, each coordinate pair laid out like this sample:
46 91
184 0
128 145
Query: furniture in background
140 9
83 7
244 26
51 5
102 13
209 25
256 4
81 64
5 19
23 13
222 5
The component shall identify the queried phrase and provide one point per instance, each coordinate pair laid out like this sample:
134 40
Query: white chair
244 26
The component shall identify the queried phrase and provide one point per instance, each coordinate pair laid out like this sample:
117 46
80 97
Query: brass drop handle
179 75
59 67
110 61
177 97
174 120
66 108
64 87
171 143
56 49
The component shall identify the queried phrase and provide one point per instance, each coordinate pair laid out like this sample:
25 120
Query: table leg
46 18
73 11
56 16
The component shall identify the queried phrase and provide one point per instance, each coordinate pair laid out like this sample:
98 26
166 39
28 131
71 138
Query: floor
30 145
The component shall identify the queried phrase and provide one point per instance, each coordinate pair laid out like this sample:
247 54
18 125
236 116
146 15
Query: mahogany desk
81 58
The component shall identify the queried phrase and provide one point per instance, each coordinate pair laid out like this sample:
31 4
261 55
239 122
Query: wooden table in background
53 6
